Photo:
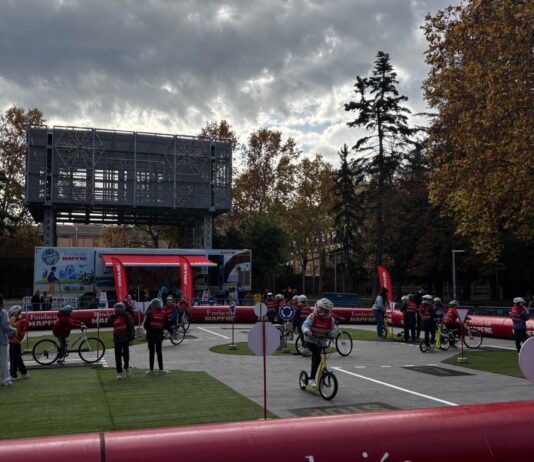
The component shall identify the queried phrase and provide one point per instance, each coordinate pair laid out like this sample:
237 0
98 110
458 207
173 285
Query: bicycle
342 341
442 341
90 350
185 319
386 330
472 337
175 334
326 380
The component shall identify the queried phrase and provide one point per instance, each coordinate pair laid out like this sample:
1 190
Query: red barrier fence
490 326
472 433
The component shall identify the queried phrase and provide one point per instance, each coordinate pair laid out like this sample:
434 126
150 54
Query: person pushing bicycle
318 327
62 327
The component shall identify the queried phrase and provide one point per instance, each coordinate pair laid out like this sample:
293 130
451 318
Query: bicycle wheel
423 346
301 349
344 343
186 320
328 385
472 338
303 380
444 343
177 334
45 352
91 350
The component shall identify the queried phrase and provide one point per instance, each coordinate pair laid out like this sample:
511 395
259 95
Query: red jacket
64 324
451 316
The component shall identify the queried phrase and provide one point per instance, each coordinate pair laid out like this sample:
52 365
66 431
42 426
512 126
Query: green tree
380 111
481 141
348 212
13 123
268 239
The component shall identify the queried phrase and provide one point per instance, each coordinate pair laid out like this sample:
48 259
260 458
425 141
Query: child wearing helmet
123 334
427 313
15 349
62 327
317 328
519 314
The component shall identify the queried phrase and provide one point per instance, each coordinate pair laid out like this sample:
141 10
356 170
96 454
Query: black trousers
15 360
122 352
154 347
315 358
520 336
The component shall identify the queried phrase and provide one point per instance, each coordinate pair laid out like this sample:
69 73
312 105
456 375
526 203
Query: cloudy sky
171 66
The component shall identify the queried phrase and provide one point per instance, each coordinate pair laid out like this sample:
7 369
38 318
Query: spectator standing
36 301
155 322
15 347
379 310
123 334
409 309
233 297
46 302
519 315
6 331
131 309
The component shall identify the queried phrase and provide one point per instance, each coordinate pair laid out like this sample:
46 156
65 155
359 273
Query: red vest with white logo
411 307
321 326
451 316
119 325
515 313
305 311
157 319
424 312
271 305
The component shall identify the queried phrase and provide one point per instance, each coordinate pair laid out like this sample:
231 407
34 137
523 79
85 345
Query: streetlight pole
454 252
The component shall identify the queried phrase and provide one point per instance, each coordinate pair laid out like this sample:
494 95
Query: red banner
187 279
385 281
121 284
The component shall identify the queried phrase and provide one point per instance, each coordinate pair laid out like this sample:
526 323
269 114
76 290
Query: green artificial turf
498 362
85 399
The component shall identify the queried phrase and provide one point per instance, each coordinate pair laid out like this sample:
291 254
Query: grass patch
498 362
80 400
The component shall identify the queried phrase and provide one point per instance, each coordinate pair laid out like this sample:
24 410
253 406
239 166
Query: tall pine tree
379 111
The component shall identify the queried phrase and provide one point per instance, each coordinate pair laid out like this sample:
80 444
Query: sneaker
13 379
6 383
60 362
128 372
312 383
119 376
163 371
150 371
25 376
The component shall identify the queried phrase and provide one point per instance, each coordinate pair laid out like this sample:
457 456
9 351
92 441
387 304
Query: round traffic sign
260 309
211 301
287 312
526 359
232 309
255 339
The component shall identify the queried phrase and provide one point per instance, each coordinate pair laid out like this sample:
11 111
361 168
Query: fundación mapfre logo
50 257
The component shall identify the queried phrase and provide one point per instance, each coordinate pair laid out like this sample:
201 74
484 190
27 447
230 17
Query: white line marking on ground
432 365
385 366
211 332
408 365
360 367
395 387
500 347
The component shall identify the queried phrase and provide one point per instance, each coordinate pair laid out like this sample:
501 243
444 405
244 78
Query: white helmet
437 300
519 301
324 303
303 299
14 310
295 298
404 298
279 297
427 297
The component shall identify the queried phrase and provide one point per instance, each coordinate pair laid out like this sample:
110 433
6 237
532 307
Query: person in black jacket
123 334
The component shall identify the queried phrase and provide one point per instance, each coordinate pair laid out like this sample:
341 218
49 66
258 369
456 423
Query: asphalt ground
377 375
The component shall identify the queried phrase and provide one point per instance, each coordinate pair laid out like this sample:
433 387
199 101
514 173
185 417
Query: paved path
377 375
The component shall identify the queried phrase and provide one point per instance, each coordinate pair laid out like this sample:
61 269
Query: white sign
232 309
526 359
287 312
260 309
255 339
103 300
462 313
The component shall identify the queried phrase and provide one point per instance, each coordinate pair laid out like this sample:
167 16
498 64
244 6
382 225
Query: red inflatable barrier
472 433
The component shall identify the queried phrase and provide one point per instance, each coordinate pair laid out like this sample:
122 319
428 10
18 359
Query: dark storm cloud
172 66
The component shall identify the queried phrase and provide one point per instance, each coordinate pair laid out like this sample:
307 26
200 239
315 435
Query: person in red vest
426 310
318 327
123 334
280 302
519 314
62 327
304 311
271 306
15 348
409 308
451 316
155 322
